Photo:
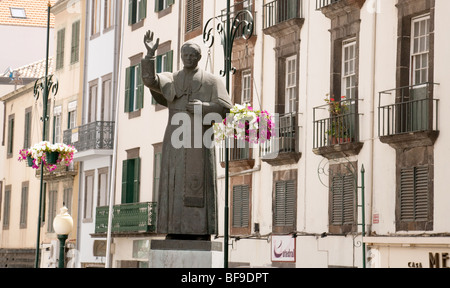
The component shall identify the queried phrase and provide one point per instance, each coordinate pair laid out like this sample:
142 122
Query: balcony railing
238 150
336 129
279 11
95 135
323 3
127 218
283 140
408 109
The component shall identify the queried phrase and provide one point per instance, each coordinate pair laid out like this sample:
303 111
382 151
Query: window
24 206
194 18
137 11
18 12
420 45
241 206
103 187
291 84
134 89
164 62
88 195
60 48
72 115
10 144
246 96
27 129
95 17
284 213
67 197
75 48
57 124
7 207
414 195
92 101
109 14
52 209
348 69
106 113
130 180
162 4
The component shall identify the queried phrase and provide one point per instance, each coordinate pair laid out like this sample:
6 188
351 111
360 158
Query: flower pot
30 161
51 157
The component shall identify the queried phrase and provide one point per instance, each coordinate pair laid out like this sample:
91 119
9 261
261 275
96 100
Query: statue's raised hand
148 41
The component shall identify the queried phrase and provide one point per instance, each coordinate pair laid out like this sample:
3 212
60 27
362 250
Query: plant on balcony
42 152
337 128
245 123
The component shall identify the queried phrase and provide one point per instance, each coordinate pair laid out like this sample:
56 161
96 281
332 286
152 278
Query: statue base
185 254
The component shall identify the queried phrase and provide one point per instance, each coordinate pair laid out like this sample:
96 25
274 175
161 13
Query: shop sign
283 248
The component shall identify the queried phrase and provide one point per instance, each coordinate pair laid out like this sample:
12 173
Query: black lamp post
44 85
242 22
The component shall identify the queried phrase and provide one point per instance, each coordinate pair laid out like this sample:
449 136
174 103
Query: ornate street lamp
44 85
242 22
62 224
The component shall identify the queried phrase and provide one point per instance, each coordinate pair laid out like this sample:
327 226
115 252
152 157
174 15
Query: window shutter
136 179
140 88
142 9
127 89
124 181
157 8
130 12
26 140
169 62
241 206
193 15
75 42
284 203
414 194
343 200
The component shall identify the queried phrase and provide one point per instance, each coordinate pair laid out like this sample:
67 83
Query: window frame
95 18
351 64
246 86
419 54
291 84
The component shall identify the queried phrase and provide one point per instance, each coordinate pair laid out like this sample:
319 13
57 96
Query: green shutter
140 88
169 62
142 9
124 181
127 89
130 12
170 2
414 194
74 57
157 8
343 200
136 179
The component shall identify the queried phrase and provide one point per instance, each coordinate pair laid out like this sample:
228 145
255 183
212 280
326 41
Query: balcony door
419 71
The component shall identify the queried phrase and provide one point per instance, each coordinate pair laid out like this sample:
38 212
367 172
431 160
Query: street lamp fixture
62 224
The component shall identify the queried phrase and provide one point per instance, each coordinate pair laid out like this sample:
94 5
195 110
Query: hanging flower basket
30 161
245 123
50 155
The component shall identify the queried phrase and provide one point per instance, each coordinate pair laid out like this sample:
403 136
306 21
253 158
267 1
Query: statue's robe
187 201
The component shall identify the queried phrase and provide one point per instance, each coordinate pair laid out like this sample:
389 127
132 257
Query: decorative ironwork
52 86
242 26
95 135
323 3
127 218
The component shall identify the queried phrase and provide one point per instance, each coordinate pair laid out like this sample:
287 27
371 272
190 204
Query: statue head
190 55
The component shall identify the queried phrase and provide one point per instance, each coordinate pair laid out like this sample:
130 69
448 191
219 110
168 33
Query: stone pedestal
185 254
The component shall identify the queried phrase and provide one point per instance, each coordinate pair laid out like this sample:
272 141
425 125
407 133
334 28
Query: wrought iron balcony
408 111
279 11
337 134
323 3
239 156
127 218
282 147
95 135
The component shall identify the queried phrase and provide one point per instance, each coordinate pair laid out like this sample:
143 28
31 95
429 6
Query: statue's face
190 57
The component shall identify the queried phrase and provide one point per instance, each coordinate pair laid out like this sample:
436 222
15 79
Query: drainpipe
118 48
